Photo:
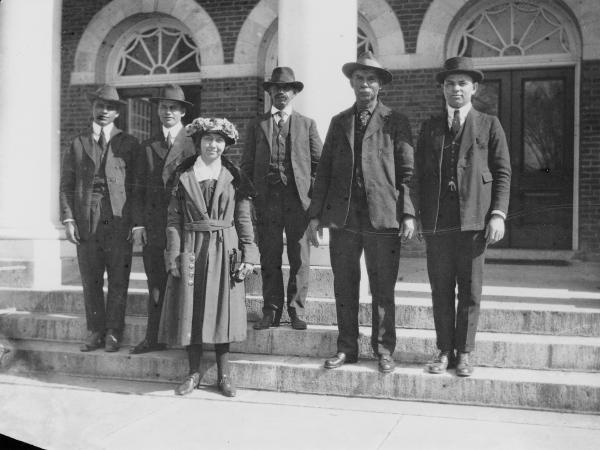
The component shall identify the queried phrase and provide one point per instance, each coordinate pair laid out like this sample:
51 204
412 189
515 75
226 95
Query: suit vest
280 167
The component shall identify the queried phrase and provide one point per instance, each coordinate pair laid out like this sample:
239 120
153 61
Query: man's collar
174 130
107 129
287 110
371 108
464 110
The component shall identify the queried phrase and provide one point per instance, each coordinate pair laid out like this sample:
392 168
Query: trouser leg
298 249
118 268
270 243
154 266
345 249
90 257
441 268
470 261
382 257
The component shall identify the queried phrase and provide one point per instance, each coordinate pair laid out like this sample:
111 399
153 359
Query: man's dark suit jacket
77 176
483 170
305 154
387 164
157 166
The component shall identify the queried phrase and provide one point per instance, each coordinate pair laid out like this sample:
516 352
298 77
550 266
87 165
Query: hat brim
475 74
183 102
297 85
351 67
92 97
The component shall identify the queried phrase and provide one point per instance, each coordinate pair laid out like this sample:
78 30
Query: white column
29 137
316 37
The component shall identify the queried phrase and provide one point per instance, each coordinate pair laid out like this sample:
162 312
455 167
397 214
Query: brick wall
410 14
589 161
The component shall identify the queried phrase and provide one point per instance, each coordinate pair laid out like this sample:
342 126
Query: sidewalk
65 413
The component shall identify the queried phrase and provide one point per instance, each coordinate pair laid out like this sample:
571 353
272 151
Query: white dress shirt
173 131
274 113
107 130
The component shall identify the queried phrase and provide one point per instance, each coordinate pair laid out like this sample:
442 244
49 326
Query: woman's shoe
188 385
226 386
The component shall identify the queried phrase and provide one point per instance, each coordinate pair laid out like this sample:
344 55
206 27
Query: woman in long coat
210 249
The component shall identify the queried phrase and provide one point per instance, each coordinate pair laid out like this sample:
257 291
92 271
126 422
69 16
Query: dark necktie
169 140
102 141
455 123
364 117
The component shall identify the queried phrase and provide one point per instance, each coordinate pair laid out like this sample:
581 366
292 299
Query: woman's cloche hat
283 76
172 92
366 61
107 93
204 125
459 64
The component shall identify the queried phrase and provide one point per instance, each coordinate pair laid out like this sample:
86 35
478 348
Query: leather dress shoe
386 364
188 385
440 362
267 321
463 366
297 322
338 360
146 346
111 342
226 386
94 341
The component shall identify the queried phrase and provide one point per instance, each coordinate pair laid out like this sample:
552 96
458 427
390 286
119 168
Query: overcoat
202 240
158 165
77 178
387 165
483 170
257 154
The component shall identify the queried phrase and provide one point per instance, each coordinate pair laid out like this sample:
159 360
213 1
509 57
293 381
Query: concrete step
413 346
515 388
564 317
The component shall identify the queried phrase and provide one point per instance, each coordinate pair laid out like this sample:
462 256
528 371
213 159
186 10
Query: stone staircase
538 347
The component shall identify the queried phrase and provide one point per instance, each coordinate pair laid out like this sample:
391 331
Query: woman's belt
207 225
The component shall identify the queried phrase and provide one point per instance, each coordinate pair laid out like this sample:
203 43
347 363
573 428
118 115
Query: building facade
541 59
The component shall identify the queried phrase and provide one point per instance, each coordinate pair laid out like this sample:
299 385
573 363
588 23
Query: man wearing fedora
159 158
100 203
281 154
463 175
362 194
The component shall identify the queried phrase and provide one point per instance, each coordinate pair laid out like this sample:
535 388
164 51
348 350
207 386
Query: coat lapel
468 133
347 121
224 180
379 117
159 146
266 124
173 156
189 183
88 145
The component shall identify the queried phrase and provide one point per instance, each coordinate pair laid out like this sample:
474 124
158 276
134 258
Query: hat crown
172 92
107 93
282 75
368 59
459 63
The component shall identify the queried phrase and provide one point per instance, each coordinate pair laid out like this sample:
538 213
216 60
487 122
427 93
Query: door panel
535 108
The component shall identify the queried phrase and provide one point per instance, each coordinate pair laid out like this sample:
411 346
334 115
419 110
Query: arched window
515 31
154 51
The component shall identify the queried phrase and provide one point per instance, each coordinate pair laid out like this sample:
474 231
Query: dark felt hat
172 92
367 61
283 76
459 64
107 93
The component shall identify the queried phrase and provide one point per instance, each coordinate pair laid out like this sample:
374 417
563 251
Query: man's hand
408 227
244 270
494 231
174 271
313 228
139 237
72 232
